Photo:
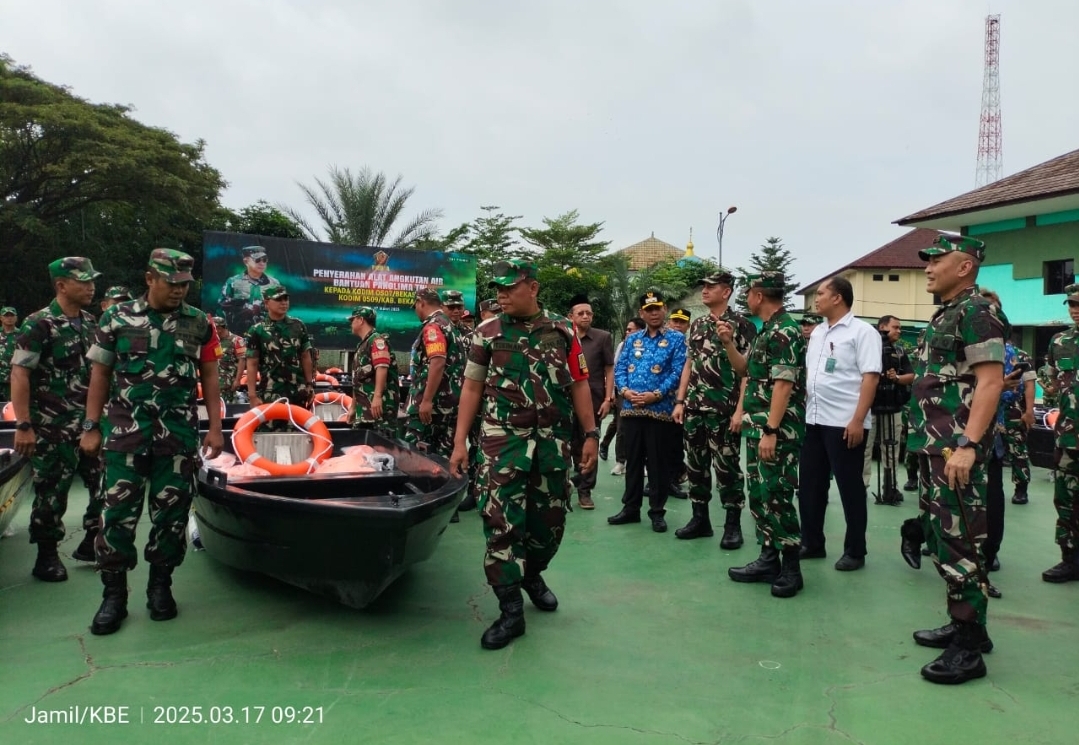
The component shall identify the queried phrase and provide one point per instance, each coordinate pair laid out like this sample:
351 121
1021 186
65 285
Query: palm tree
363 209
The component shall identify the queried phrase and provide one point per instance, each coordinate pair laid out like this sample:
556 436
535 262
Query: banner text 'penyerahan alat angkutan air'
325 281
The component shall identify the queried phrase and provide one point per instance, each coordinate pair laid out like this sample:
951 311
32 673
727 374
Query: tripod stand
888 441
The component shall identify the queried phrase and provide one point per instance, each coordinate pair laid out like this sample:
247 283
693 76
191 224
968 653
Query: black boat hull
16 477
344 536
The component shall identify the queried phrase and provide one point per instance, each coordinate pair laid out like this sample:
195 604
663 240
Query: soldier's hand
957 468
214 442
736 421
459 460
90 442
679 414
25 442
426 410
767 448
725 331
376 407
1028 420
589 454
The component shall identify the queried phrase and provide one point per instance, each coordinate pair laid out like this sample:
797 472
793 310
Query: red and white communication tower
990 153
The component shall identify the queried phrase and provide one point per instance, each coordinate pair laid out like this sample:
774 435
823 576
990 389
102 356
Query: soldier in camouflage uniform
279 363
436 367
1062 363
148 356
707 398
113 295
374 376
1050 399
958 370
772 406
49 377
242 295
453 302
527 372
9 330
233 354
1018 398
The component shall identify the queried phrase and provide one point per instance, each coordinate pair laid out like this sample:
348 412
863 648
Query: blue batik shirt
651 363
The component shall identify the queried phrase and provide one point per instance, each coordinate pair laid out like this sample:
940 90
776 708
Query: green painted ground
651 644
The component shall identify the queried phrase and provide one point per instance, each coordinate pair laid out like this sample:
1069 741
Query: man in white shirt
843 365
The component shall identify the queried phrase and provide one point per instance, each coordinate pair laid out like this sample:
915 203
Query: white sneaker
619 469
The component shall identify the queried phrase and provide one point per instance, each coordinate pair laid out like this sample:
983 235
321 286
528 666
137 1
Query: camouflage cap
7 310
118 292
218 321
452 298
811 318
946 244
364 312
650 299
509 273
277 292
77 268
428 295
491 306
174 266
718 278
253 252
1072 292
766 281
679 314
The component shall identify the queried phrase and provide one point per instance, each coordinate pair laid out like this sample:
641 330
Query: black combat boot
85 550
789 582
911 539
1020 496
511 623
765 568
48 567
962 660
539 593
941 638
159 594
732 531
468 503
699 526
1066 571
113 608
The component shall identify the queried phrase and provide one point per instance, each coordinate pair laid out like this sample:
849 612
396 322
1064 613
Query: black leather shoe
1065 571
85 550
1020 499
812 553
911 485
994 564
539 593
677 492
942 637
659 525
955 666
603 453
624 517
992 591
848 563
48 567
765 568
911 537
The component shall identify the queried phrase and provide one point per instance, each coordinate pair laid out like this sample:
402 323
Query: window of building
893 277
878 277
1058 275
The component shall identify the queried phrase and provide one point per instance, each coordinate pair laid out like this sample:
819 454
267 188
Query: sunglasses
280 299
263 260
1073 303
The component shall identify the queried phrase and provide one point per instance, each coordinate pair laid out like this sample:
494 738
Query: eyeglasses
1073 303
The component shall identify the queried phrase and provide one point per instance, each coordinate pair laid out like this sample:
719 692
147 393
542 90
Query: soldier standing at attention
147 359
279 350
436 367
113 295
232 352
242 295
707 398
772 406
374 376
9 330
527 371
958 378
49 378
1062 371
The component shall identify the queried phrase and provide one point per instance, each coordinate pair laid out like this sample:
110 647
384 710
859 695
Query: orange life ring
9 412
243 438
334 371
335 397
243 377
324 378
1051 417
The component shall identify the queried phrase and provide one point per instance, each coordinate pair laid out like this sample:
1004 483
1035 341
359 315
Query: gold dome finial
689 246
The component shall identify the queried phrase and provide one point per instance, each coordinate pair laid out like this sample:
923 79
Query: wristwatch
769 430
24 426
89 425
965 442
593 433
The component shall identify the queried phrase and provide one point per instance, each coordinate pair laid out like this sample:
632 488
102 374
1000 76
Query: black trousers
653 441
994 507
585 482
824 451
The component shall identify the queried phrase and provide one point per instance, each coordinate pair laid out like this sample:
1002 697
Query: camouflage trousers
957 530
1015 446
438 434
55 465
1065 490
709 443
523 506
771 486
171 479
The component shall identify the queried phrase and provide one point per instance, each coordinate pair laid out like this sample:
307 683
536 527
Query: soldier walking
49 379
147 359
707 398
958 380
772 408
279 362
436 366
527 376
374 376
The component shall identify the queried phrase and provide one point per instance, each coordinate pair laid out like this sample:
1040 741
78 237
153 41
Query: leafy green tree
262 218
570 260
492 237
772 257
90 178
364 209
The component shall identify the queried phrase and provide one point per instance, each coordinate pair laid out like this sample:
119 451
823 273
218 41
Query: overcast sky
823 121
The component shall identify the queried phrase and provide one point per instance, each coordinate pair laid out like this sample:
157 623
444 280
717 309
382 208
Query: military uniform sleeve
103 350
381 356
305 340
783 354
982 333
254 343
434 341
211 348
29 345
479 358
578 367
